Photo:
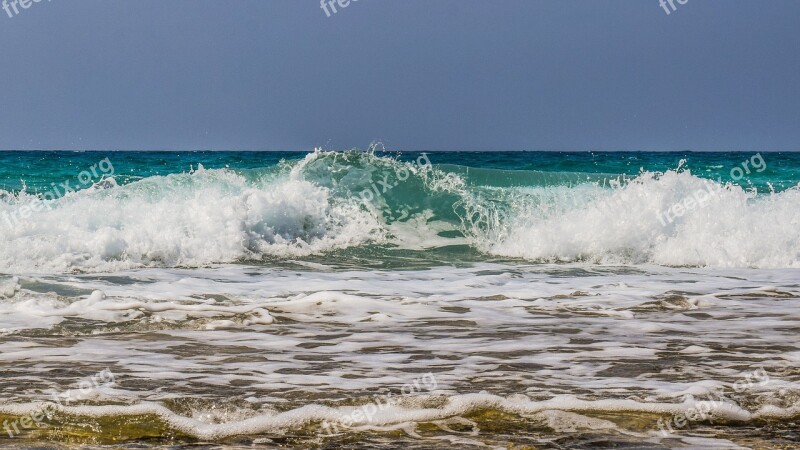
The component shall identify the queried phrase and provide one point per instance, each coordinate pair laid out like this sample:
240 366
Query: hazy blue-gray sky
416 74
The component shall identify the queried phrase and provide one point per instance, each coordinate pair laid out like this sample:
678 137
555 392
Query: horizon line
408 151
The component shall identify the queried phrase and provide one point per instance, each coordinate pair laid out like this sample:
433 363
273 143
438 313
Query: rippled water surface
481 302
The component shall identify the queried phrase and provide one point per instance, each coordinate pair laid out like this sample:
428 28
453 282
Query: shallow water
517 354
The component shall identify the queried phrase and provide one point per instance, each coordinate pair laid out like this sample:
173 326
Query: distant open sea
399 300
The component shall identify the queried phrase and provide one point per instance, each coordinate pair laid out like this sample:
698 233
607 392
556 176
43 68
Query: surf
373 203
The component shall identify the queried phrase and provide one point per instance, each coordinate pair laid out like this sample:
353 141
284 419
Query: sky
413 74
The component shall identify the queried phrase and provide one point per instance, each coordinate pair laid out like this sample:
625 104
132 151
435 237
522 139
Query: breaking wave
330 201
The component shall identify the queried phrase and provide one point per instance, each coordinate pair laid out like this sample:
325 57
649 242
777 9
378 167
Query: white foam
734 228
310 207
455 406
209 216
9 287
303 341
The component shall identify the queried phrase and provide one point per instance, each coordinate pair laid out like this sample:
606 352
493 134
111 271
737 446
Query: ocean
381 299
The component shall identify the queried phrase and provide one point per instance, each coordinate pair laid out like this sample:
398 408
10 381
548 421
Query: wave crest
337 200
723 225
199 218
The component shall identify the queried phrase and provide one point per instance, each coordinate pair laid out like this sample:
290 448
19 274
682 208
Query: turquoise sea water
462 206
39 169
399 300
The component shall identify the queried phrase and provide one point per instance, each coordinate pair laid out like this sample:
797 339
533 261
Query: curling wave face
331 201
